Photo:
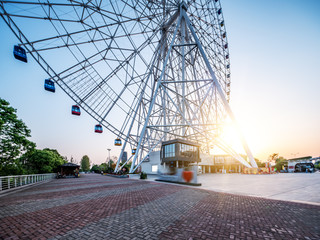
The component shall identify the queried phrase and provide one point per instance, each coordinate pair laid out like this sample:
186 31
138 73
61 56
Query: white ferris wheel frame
182 25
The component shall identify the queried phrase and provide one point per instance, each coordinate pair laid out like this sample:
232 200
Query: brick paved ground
101 207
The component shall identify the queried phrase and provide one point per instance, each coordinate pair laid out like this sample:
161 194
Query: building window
169 150
188 150
229 160
219 159
154 168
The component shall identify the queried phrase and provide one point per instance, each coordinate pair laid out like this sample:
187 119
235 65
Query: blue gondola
98 128
19 53
75 110
133 151
228 76
219 11
117 142
228 66
49 85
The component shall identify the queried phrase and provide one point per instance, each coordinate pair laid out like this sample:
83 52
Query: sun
229 137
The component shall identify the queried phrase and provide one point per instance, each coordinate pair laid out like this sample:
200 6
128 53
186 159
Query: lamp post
109 155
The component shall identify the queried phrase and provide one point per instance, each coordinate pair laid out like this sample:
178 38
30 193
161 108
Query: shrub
143 175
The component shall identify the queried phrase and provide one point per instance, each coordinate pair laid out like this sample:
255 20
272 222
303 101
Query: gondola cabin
117 142
75 110
98 128
219 11
133 152
49 85
19 53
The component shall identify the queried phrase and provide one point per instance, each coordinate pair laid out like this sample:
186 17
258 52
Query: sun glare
229 136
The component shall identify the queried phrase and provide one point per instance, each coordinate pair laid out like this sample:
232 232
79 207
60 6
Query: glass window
219 159
154 168
169 150
188 150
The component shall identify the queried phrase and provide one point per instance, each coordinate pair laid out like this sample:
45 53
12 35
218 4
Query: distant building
315 160
174 154
295 163
124 157
152 164
179 153
208 164
220 164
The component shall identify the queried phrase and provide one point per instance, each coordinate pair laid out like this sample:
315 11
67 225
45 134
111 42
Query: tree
273 157
13 140
72 160
280 163
103 167
85 163
260 164
95 168
42 161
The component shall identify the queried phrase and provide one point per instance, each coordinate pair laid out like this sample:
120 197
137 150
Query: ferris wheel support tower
146 71
183 23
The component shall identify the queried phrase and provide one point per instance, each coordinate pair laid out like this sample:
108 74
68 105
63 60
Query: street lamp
109 155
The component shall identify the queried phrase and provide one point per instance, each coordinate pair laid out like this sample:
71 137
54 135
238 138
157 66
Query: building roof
69 164
300 158
178 140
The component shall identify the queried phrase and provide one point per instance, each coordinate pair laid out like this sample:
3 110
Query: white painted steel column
154 97
223 98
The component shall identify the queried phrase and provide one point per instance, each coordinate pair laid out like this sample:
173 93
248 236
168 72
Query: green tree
280 163
42 161
260 164
273 157
95 168
103 167
13 140
85 163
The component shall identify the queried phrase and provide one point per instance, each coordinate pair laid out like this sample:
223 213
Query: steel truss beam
184 26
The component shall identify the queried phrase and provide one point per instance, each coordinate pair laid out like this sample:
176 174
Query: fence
8 183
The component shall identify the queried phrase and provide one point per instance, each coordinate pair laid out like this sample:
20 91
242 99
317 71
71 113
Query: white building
292 163
208 164
152 165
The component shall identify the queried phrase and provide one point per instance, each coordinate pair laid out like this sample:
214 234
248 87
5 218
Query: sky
275 66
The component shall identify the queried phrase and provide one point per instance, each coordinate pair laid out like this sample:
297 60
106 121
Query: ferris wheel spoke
161 67
115 71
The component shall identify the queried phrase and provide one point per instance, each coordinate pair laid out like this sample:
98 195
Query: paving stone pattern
102 207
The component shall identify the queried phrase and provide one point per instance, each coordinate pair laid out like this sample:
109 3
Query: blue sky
275 66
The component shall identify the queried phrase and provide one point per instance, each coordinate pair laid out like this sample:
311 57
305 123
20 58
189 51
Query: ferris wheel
147 71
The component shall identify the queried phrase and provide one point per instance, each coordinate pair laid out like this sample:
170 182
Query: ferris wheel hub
147 72
183 5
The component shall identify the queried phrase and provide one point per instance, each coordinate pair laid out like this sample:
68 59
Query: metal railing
9 183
